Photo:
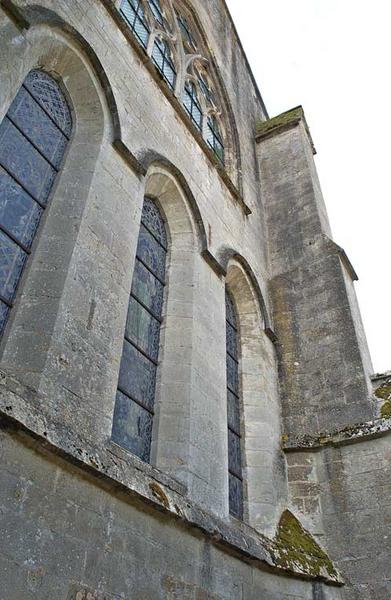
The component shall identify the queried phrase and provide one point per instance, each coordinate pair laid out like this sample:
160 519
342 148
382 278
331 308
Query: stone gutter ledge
353 434
283 122
293 552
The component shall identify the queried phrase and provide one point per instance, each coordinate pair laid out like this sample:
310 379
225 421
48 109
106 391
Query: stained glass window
192 105
235 478
33 137
187 35
134 406
161 57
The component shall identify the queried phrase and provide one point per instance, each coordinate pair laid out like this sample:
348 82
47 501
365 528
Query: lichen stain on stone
159 494
295 549
384 393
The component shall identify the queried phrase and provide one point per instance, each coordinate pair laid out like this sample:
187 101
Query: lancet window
134 406
235 477
178 54
34 135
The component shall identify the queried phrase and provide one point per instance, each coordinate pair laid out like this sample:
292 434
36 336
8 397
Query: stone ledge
283 122
353 434
21 410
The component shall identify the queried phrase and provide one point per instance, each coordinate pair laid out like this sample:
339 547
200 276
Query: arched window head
162 58
168 33
134 406
192 104
34 135
235 477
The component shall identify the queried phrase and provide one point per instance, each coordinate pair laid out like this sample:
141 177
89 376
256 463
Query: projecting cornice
283 122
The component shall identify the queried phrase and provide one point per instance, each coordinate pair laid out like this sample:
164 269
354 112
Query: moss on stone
283 120
294 549
384 393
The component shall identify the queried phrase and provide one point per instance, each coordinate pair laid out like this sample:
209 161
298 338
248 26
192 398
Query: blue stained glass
28 115
147 289
156 10
132 427
132 423
12 260
235 496
48 94
153 221
151 253
137 376
191 104
4 311
143 329
24 162
19 213
36 126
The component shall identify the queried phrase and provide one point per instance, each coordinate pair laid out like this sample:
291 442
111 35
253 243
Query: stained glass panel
35 129
48 94
4 312
233 412
235 496
147 289
132 427
232 375
232 341
137 376
143 329
19 213
234 454
152 220
24 162
12 260
33 121
150 252
191 104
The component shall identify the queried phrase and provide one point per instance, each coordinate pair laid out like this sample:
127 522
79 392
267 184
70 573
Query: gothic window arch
166 31
235 471
135 399
34 135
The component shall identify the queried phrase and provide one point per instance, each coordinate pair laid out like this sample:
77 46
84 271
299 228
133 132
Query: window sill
22 414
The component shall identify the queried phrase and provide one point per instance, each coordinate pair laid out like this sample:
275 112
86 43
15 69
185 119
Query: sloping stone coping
292 552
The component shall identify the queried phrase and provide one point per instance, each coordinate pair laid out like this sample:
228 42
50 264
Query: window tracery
34 135
134 406
166 34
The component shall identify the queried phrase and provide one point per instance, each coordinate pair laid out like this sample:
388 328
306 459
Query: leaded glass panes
187 36
33 138
161 57
192 105
156 10
132 426
134 13
133 415
233 412
214 139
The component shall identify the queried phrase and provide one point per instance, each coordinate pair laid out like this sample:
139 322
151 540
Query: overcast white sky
333 57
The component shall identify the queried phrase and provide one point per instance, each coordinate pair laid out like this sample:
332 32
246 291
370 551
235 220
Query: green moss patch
384 393
295 549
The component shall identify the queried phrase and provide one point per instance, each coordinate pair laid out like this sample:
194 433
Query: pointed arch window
34 135
199 97
235 477
134 406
